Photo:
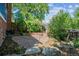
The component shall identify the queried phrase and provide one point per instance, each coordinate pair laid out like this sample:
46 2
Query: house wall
2 30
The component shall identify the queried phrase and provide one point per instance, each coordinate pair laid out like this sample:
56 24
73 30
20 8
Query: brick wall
2 30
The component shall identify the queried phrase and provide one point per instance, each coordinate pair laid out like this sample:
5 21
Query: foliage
34 26
75 25
32 11
28 13
76 18
76 14
19 23
76 43
58 25
62 22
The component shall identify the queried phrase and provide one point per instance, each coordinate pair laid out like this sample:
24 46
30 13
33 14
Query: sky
55 7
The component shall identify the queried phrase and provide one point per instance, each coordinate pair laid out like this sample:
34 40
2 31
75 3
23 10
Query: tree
32 11
58 25
75 22
9 16
76 13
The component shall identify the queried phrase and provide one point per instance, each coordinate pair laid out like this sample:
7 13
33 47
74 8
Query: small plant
76 43
19 50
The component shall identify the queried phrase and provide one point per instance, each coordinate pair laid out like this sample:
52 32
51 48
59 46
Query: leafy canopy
32 11
58 25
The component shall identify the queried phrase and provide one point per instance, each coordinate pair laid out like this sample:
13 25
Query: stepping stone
33 51
53 51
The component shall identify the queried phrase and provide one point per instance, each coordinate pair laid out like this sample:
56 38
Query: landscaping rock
65 46
68 48
53 51
33 51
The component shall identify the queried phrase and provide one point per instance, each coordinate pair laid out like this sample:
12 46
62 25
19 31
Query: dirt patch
35 40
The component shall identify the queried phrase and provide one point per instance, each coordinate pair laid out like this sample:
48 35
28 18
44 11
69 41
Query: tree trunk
9 16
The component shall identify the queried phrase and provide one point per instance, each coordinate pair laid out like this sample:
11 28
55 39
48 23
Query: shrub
58 25
76 43
18 22
34 26
21 27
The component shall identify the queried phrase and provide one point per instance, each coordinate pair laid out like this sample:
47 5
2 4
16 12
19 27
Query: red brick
2 30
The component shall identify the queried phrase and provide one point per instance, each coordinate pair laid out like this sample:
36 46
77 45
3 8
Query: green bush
76 43
21 27
18 23
58 25
34 26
